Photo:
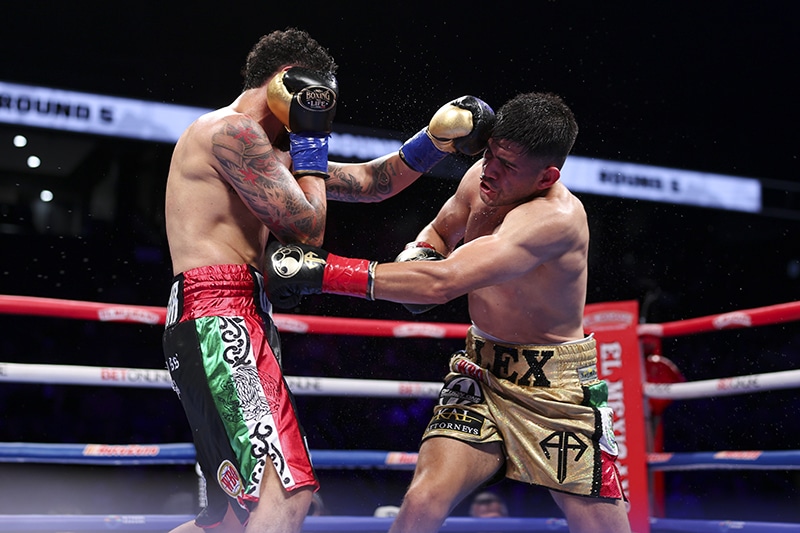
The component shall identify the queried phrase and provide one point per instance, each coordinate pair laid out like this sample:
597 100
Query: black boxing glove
305 102
418 251
463 125
295 270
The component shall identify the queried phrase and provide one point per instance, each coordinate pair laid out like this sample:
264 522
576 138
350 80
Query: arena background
709 88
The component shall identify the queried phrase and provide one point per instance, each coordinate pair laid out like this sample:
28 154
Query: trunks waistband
216 290
505 360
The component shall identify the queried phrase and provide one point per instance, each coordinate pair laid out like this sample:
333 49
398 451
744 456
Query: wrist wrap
349 277
309 154
419 152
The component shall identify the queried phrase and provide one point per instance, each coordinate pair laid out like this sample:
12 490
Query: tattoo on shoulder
249 163
243 150
261 180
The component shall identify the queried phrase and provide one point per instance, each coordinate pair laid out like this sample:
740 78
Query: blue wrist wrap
420 153
309 154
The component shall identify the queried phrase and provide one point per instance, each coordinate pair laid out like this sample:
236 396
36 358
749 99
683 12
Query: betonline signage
153 121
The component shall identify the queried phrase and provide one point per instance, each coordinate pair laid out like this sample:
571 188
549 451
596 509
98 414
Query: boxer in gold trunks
543 403
523 400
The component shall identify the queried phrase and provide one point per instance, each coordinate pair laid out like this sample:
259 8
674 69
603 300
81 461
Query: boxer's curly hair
285 47
539 122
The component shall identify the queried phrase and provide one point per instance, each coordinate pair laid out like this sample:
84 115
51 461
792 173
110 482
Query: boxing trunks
546 406
223 355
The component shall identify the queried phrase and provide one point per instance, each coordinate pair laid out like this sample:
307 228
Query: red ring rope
104 312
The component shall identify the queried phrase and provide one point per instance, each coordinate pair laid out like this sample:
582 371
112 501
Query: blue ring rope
183 453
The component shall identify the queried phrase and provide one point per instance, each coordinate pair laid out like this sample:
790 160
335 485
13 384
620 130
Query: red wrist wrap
350 277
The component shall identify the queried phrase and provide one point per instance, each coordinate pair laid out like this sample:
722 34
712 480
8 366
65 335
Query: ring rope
372 388
725 460
712 388
104 312
184 453
159 378
745 318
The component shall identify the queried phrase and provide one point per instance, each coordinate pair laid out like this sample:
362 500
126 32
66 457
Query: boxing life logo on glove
289 259
317 98
303 100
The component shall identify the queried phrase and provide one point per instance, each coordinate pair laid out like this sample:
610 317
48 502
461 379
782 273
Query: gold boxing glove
463 125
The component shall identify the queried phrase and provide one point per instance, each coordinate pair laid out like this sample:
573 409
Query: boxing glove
305 102
418 251
462 125
295 270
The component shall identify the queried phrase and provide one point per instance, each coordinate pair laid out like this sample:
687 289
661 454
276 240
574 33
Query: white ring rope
712 388
155 378
371 388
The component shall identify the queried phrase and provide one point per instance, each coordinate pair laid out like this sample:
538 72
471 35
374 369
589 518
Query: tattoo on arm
346 187
252 169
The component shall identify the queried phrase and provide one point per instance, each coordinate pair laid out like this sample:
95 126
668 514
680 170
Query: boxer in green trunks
250 171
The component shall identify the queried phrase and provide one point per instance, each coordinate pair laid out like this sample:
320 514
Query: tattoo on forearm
343 186
383 178
346 187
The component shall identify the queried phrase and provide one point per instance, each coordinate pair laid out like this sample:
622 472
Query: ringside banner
160 122
660 184
96 114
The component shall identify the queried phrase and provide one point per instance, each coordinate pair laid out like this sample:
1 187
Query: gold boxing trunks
546 406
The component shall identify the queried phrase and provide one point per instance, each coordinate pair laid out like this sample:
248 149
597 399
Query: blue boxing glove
418 251
305 102
463 126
